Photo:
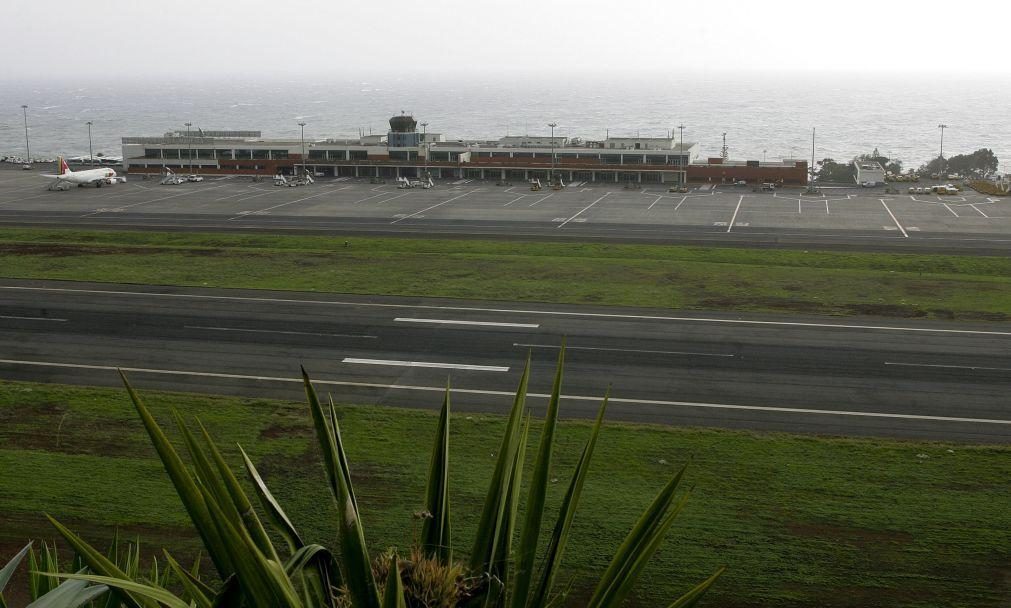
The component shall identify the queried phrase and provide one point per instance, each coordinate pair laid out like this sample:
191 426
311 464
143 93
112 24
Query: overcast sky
59 38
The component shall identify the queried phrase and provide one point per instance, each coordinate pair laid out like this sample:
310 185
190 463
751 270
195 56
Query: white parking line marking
683 199
935 365
980 211
432 207
395 363
509 395
584 209
298 200
541 199
897 224
624 350
383 193
455 322
392 198
654 202
739 201
98 211
554 313
950 209
518 198
17 318
286 333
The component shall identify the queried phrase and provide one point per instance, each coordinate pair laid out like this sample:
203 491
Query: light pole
764 155
28 148
681 151
424 140
189 140
940 168
91 153
551 178
301 125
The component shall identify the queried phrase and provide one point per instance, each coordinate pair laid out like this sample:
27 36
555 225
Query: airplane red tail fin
64 168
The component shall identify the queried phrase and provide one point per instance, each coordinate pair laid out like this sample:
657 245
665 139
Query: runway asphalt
837 218
846 377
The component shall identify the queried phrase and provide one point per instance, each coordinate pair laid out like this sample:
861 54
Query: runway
838 218
762 372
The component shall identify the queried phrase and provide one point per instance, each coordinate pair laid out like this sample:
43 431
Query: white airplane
96 177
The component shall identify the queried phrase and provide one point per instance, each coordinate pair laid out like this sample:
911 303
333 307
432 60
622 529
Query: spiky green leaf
393 594
355 560
155 595
496 500
539 596
277 515
69 594
185 485
8 570
436 536
537 494
691 598
100 565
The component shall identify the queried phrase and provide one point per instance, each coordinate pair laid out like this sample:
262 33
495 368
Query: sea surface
765 116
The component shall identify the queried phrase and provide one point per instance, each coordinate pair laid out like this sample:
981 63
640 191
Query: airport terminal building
406 152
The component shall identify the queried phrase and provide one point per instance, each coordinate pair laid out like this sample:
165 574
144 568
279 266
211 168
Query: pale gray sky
219 37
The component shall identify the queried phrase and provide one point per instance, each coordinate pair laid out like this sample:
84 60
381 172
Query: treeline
979 164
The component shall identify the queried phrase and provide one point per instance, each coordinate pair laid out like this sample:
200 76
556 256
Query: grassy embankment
719 279
800 521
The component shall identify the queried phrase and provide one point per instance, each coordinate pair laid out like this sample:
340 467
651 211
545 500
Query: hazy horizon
129 40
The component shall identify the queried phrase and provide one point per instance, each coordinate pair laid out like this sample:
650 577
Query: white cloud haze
217 37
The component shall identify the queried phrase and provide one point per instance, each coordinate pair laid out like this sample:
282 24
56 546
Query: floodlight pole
91 151
301 125
681 151
551 178
424 140
940 169
190 142
28 148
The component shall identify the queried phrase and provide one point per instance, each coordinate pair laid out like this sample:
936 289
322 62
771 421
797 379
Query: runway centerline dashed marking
428 364
456 322
286 333
508 394
17 318
940 366
624 350
523 311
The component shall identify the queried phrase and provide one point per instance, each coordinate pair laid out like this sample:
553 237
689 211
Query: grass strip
800 521
652 276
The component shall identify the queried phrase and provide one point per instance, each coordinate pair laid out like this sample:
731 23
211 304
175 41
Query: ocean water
764 115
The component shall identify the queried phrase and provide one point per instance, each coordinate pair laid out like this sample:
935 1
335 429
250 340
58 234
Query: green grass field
693 278
800 521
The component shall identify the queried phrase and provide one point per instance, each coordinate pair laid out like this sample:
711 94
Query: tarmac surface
932 380
839 218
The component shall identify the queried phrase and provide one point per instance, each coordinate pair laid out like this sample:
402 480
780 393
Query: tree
831 171
980 163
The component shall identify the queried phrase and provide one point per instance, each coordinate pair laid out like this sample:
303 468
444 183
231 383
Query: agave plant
253 573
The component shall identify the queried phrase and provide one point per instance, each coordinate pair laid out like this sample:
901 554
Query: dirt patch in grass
886 310
55 429
778 304
862 538
56 250
277 431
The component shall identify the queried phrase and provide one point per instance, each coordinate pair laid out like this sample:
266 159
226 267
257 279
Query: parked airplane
97 177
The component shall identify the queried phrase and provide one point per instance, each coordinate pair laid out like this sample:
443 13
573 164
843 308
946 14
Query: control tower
403 132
